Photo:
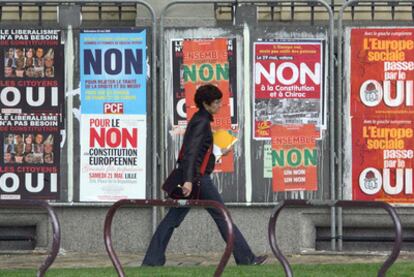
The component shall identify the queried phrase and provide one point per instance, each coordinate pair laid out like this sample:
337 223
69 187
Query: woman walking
198 140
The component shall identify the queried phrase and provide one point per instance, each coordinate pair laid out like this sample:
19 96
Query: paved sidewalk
32 259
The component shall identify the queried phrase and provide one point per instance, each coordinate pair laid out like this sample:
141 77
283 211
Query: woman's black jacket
197 140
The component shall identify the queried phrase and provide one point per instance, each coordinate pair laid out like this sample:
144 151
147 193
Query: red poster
206 61
288 84
294 157
381 103
177 74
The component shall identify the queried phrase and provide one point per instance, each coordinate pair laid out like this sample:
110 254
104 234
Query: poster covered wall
381 113
32 113
113 126
288 84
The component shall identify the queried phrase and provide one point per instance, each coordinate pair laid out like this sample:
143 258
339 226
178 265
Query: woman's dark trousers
155 255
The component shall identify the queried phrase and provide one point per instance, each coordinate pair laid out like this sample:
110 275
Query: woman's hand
187 188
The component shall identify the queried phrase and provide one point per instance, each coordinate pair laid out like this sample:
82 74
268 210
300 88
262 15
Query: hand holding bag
174 181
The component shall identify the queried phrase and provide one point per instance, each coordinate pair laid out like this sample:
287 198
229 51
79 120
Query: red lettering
113 137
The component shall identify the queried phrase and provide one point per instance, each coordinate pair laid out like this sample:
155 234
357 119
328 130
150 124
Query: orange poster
294 157
381 114
206 61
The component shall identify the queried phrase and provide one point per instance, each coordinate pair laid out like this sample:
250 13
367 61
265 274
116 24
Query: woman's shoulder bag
173 184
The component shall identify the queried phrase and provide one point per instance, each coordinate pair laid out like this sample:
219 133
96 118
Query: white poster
113 153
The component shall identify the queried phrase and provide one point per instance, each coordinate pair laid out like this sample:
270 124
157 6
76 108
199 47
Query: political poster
32 105
113 114
381 113
201 61
212 72
113 157
294 157
289 82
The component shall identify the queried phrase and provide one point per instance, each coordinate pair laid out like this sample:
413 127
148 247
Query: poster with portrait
32 113
113 114
289 84
380 114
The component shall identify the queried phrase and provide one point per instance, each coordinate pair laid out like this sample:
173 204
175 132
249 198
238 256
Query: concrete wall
82 229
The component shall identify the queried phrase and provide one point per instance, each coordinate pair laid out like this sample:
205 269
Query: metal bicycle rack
167 203
343 204
55 225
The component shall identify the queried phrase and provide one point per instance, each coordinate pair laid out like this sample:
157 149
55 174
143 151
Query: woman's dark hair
207 94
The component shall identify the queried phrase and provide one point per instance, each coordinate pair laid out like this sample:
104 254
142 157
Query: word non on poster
205 69
206 61
288 84
294 157
113 157
113 71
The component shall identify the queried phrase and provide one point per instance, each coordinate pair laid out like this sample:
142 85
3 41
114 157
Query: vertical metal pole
39 8
100 11
20 11
412 12
392 4
155 96
339 119
154 111
119 11
69 89
247 121
312 7
332 123
340 113
372 10
163 134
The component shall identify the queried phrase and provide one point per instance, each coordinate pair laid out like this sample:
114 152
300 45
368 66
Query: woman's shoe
259 260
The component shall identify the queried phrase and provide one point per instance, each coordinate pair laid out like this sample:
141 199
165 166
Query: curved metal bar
55 225
167 203
397 227
272 239
344 204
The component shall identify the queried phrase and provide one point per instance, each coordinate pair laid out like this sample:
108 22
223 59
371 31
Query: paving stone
32 259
